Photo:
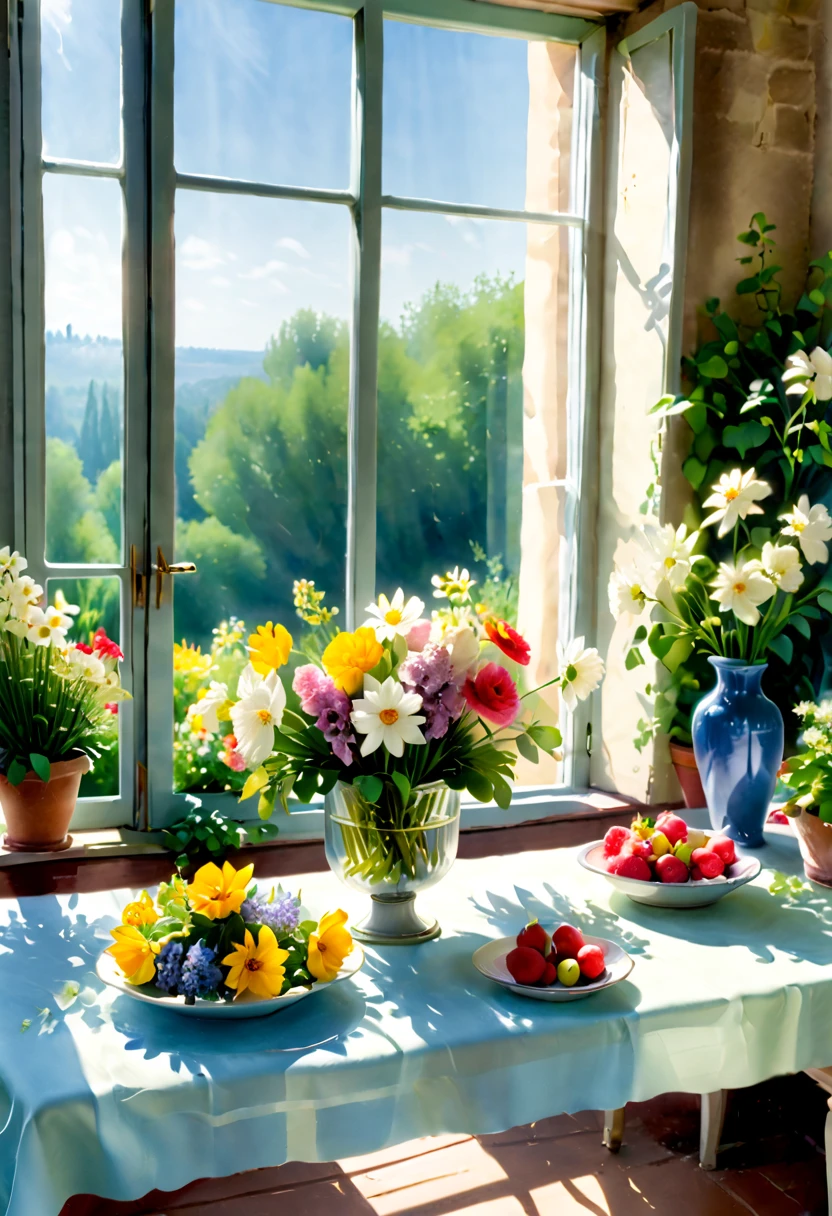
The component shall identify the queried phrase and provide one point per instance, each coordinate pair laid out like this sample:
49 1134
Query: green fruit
683 851
569 972
661 844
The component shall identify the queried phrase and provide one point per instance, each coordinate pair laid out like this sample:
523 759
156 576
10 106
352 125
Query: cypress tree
108 431
90 438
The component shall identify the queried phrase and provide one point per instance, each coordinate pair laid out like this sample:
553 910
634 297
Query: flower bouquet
735 612
398 718
57 699
217 940
808 777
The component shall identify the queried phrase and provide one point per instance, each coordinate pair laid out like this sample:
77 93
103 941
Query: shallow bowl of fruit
567 966
668 864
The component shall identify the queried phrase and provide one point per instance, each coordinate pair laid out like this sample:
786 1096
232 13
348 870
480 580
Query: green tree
90 437
75 530
108 430
230 569
108 498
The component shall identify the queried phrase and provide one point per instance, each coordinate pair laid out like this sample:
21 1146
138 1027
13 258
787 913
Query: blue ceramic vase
738 744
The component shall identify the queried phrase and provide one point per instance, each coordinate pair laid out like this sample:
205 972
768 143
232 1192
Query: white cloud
266 271
195 253
194 305
83 282
218 280
396 255
466 225
58 14
296 247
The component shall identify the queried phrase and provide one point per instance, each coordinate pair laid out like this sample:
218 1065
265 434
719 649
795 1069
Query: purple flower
282 915
200 975
329 706
431 674
169 967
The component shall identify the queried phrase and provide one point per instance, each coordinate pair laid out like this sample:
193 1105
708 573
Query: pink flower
83 647
310 683
492 694
329 707
419 636
105 647
112 706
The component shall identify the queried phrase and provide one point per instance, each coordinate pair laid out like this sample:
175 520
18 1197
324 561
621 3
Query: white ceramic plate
244 1006
490 961
673 894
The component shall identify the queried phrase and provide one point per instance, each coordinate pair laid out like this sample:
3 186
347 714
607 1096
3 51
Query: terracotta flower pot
815 840
687 771
37 813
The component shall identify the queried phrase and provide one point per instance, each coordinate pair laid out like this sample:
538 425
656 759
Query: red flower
83 647
112 706
105 646
509 641
493 695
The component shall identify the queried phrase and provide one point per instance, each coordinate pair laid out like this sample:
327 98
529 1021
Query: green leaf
817 297
526 748
40 765
824 601
715 368
783 647
306 786
679 653
369 787
478 785
16 773
747 287
696 416
801 625
502 792
640 634
705 443
633 659
694 470
402 785
748 435
258 833
547 738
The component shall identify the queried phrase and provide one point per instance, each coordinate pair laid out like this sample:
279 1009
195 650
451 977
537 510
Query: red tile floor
772 1164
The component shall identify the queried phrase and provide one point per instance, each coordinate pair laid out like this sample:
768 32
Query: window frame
150 181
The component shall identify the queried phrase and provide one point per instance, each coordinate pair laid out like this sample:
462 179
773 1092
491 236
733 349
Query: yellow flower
349 656
329 946
140 912
216 892
134 954
258 965
269 647
190 659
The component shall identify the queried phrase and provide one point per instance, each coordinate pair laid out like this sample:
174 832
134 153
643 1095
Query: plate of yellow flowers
217 948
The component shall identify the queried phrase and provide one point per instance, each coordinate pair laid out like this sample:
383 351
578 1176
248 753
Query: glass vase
390 850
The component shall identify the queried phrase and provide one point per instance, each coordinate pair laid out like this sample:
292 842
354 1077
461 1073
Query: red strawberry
774 816
709 863
550 974
724 846
671 869
591 961
567 941
525 966
673 826
615 840
535 937
634 867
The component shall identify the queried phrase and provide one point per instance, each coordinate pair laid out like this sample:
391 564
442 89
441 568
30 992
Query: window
304 297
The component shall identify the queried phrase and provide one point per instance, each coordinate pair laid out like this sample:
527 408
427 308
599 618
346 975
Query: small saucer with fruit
564 967
665 863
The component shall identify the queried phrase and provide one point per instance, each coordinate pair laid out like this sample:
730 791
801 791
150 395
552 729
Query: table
112 1097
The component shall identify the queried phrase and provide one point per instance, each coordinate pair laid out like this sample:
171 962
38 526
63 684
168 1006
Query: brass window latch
162 568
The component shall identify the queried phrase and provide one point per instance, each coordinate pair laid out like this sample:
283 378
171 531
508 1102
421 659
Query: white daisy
581 670
673 549
454 584
61 603
739 589
735 496
812 527
23 594
11 563
256 715
203 714
392 618
812 372
387 715
782 565
89 666
48 628
628 591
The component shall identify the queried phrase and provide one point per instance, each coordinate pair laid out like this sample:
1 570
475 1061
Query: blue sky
263 92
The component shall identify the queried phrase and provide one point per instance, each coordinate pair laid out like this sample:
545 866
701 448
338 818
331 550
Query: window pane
81 79
509 100
84 370
262 92
95 604
262 388
472 371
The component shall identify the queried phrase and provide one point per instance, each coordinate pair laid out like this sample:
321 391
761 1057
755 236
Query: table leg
710 1127
613 1129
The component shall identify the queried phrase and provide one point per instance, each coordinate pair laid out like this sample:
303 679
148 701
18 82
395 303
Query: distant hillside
72 361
